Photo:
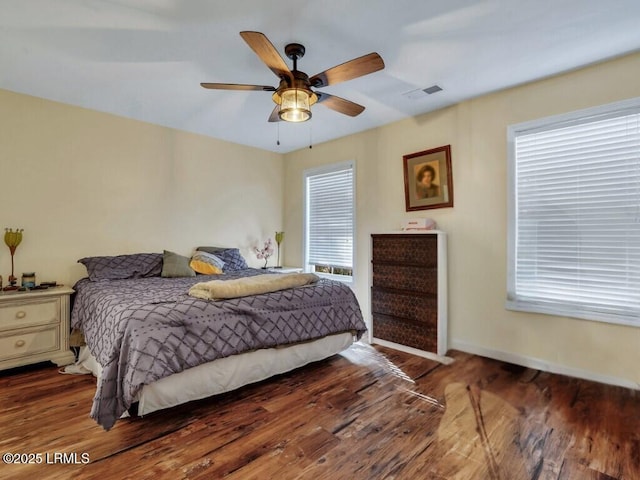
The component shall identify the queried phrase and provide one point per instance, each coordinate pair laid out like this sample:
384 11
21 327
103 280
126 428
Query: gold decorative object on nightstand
12 240
279 240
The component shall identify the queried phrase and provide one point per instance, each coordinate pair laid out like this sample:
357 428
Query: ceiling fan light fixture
295 105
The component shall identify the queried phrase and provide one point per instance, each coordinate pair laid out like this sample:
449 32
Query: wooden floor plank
369 413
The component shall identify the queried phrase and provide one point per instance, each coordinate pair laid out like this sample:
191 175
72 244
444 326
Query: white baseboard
539 364
414 351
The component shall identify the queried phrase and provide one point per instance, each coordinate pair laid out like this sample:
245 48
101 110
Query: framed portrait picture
428 182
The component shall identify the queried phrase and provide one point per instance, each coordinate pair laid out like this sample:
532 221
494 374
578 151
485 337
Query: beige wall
477 224
83 183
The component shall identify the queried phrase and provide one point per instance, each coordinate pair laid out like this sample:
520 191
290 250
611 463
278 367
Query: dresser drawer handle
20 343
21 314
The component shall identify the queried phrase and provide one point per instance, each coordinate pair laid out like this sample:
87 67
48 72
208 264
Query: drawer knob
21 314
20 343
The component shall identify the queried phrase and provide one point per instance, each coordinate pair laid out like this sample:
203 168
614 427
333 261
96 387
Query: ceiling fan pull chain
310 135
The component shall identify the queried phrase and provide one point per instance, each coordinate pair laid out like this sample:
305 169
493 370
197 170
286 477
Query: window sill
575 312
340 278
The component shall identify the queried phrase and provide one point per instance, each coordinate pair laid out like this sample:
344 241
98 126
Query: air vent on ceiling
432 89
423 92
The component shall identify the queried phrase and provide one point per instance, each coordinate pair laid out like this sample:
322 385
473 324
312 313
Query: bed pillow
232 258
213 250
206 263
174 265
119 267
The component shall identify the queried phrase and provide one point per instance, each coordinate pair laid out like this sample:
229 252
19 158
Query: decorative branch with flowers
264 252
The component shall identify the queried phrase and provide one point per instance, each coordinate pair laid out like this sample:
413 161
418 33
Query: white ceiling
145 59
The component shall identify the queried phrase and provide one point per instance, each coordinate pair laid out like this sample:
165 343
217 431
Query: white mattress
224 374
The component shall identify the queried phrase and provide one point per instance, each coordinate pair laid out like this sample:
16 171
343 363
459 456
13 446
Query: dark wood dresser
408 290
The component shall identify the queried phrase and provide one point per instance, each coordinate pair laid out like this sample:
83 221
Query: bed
151 345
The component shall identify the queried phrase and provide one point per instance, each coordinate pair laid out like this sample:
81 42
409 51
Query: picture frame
435 189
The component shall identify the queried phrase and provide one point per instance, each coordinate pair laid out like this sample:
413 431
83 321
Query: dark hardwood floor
369 413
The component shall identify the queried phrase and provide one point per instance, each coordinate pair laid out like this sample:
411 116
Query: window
574 214
329 219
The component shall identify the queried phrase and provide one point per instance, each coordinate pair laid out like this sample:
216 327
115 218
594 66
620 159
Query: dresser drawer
398 304
26 313
412 334
24 343
406 277
406 249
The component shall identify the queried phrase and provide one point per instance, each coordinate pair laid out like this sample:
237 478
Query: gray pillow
120 267
232 258
212 250
174 265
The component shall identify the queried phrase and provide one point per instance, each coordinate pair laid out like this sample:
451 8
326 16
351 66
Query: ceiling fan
294 95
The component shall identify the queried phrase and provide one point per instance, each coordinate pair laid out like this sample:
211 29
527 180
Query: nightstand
285 270
34 327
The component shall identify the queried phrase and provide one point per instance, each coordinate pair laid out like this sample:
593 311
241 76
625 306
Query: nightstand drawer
26 313
29 342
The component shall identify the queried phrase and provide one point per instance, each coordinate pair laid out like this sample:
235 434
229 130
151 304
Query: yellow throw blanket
242 287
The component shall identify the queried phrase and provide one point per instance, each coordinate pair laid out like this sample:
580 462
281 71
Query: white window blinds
330 195
575 216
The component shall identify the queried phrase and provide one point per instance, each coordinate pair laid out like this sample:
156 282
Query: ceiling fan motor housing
300 81
294 51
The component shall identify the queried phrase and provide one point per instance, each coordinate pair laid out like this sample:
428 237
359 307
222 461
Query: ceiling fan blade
340 104
238 86
260 44
274 117
349 70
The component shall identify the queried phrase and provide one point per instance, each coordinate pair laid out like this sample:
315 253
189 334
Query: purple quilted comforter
141 330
